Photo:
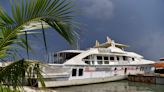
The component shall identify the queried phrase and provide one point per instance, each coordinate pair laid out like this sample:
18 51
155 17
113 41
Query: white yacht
103 63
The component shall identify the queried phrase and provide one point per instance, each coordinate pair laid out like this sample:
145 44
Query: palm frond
8 38
58 12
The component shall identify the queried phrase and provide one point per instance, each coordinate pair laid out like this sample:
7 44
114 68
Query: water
119 86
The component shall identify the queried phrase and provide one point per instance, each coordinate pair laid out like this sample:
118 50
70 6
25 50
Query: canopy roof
71 51
159 65
106 45
109 43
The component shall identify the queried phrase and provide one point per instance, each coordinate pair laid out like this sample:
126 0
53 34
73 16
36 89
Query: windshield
62 57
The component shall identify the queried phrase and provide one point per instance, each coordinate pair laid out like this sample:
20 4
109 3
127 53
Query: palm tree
57 14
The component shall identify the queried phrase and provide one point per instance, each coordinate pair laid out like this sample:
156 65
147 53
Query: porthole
132 59
115 68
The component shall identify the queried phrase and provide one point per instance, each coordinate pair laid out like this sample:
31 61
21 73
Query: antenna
109 40
113 43
97 43
77 44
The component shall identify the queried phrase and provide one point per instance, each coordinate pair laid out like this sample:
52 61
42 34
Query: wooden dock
147 78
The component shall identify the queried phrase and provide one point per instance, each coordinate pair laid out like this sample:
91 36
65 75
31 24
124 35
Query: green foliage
8 37
58 14
6 89
17 72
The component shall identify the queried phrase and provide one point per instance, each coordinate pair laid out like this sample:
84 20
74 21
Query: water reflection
121 86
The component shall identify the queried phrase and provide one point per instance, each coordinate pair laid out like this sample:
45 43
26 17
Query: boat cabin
62 56
159 67
102 54
107 59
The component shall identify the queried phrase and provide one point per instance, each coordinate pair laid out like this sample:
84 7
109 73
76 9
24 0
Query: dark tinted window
99 62
99 57
125 58
106 58
74 72
111 58
118 58
106 62
93 62
133 59
80 72
87 62
86 57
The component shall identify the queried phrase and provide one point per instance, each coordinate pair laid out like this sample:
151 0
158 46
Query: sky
137 23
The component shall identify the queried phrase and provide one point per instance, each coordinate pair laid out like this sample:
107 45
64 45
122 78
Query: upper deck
112 54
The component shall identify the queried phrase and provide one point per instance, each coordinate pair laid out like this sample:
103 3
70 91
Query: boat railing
50 69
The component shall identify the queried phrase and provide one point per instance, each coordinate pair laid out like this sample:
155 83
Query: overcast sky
137 23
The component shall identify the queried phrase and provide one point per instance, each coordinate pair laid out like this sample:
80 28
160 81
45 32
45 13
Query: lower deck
76 75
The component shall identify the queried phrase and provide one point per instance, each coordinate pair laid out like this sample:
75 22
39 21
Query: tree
57 14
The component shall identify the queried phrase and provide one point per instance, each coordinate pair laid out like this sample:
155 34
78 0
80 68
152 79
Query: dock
157 77
147 78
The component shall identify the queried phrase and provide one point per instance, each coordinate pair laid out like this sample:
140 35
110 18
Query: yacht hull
82 81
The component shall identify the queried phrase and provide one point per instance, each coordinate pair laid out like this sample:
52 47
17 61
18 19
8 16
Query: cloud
98 9
152 44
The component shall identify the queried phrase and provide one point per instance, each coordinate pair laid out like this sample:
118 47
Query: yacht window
99 62
125 58
111 58
93 62
70 55
99 57
132 59
86 57
118 58
106 62
87 62
74 72
64 56
80 72
141 68
106 58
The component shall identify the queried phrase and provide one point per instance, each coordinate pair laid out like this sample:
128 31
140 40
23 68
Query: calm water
121 86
